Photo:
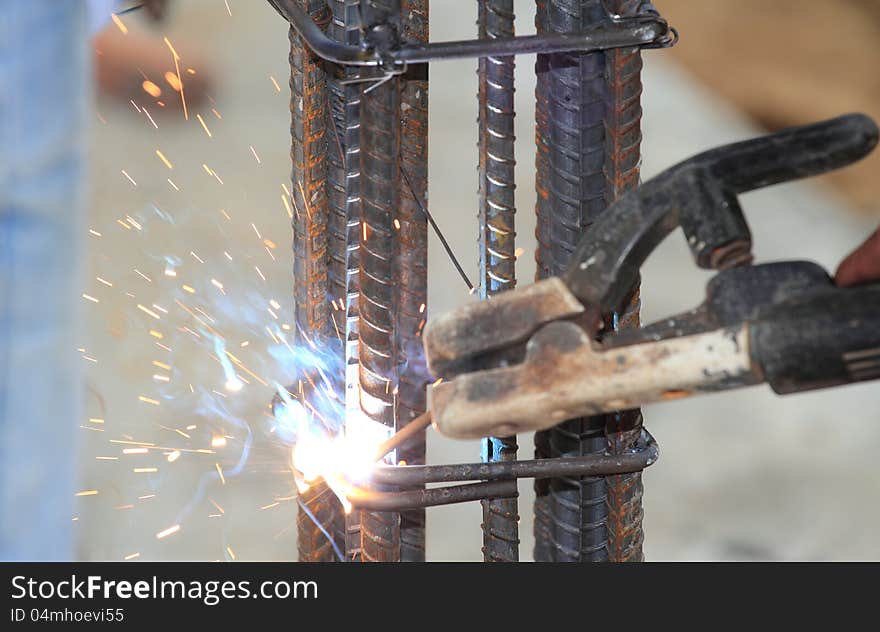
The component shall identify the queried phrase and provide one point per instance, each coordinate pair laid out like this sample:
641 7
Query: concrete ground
744 475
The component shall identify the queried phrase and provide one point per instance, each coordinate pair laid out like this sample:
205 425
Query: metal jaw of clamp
533 357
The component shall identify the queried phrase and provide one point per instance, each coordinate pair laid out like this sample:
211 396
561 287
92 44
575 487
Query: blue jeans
45 87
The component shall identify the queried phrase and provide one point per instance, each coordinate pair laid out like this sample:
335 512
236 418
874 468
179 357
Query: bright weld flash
338 460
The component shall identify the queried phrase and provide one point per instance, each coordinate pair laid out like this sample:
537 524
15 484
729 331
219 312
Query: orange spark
118 22
166 532
147 310
164 159
204 126
177 70
151 88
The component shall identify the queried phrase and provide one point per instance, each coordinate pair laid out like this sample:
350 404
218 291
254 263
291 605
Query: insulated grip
829 338
700 195
791 154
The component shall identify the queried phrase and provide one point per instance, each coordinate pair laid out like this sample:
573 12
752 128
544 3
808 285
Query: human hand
863 265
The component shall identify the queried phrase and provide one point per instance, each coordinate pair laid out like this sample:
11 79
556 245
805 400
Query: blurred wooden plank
788 62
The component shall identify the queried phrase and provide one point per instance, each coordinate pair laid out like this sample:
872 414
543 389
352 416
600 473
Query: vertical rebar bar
380 197
622 160
573 91
412 262
542 550
344 192
497 238
591 138
318 506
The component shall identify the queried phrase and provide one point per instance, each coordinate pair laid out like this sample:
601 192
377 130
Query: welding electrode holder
538 355
699 195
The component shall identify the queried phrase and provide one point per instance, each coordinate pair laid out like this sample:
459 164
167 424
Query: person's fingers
863 265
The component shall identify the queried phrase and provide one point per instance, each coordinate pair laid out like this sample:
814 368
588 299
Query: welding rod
409 431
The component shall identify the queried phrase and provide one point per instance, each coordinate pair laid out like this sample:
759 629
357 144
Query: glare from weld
318 452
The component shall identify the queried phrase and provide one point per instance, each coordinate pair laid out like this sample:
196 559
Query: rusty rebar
310 221
571 520
623 115
435 497
541 528
643 453
592 139
497 184
344 193
412 263
652 32
380 201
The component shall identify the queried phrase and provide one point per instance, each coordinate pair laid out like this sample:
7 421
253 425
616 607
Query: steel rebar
644 32
435 497
643 453
412 263
541 528
592 139
380 200
571 193
625 535
497 209
344 193
319 507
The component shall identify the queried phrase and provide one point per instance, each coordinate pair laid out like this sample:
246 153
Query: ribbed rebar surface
497 237
542 522
622 159
310 222
380 201
588 152
412 263
344 193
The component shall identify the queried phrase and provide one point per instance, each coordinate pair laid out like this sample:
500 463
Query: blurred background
189 233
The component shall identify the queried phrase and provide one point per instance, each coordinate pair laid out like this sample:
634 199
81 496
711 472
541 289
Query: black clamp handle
700 195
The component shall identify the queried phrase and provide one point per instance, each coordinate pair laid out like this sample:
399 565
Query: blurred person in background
45 71
45 99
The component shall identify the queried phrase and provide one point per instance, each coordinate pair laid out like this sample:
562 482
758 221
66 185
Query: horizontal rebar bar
635 460
615 34
377 501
